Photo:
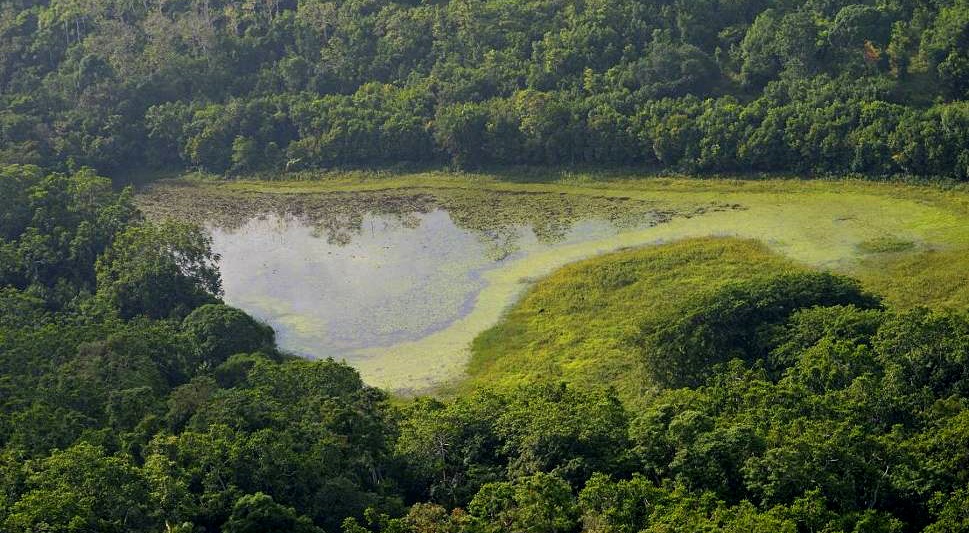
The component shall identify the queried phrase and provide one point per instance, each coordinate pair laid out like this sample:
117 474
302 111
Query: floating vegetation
338 217
885 245
367 276
412 327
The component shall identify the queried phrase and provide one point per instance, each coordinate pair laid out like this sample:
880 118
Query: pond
396 280
398 274
393 282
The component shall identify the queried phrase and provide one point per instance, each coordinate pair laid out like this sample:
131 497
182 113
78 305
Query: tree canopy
240 86
790 402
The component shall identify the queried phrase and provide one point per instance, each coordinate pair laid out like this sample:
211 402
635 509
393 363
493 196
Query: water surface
398 277
399 282
394 279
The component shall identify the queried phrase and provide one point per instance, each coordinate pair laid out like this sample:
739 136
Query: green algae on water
907 243
393 281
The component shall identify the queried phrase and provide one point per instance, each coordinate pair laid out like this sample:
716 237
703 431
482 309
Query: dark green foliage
234 86
617 506
158 271
19 309
309 434
926 353
220 331
824 348
452 450
540 502
53 227
82 488
738 321
258 513
952 511
147 405
567 432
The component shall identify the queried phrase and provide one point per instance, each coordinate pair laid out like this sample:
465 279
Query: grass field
579 324
908 243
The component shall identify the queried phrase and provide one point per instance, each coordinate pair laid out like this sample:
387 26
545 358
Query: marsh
398 275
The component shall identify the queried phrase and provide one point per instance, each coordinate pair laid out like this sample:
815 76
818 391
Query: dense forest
133 400
876 87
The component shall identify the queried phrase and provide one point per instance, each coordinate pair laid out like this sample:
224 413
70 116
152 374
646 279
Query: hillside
582 324
484 266
239 86
702 385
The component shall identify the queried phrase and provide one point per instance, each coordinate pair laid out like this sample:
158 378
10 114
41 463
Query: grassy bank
908 243
835 224
579 324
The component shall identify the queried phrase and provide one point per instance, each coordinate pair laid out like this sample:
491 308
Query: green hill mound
580 324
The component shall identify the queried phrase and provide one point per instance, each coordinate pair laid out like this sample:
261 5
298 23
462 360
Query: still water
392 279
398 282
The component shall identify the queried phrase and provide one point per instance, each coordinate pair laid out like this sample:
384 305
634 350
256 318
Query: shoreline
826 225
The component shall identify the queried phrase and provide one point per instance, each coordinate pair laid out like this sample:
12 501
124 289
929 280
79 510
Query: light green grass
907 243
823 223
579 324
885 245
936 278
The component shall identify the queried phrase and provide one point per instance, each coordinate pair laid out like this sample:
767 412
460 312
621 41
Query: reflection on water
370 276
389 279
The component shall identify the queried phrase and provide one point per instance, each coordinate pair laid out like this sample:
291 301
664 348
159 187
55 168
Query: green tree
245 155
740 321
951 512
82 489
564 430
220 331
159 270
540 503
258 513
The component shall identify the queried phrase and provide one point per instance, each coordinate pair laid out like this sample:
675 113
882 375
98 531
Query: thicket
876 87
133 400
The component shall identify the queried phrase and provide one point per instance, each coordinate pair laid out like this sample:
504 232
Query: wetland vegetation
391 280
496 235
701 362
383 297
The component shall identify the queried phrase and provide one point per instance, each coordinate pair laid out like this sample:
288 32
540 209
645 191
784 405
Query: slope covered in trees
874 86
133 400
